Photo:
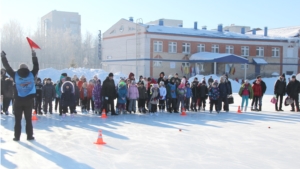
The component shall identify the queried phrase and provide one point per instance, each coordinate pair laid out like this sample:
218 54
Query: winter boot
259 108
245 109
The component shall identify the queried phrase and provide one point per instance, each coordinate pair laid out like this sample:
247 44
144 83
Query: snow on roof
260 61
287 32
208 33
218 57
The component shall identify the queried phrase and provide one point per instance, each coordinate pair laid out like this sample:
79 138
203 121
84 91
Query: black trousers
109 102
280 96
6 102
225 100
90 103
255 101
65 109
25 105
141 103
38 105
212 104
161 104
84 103
296 101
172 104
202 102
194 103
57 103
187 103
153 108
47 101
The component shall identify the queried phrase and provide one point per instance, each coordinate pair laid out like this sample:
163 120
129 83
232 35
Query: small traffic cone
103 115
100 140
34 117
183 112
239 110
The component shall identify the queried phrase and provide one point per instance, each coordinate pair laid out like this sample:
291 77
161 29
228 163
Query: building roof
260 61
288 32
207 33
218 57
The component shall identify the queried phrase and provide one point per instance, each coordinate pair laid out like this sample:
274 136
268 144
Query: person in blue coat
188 96
122 92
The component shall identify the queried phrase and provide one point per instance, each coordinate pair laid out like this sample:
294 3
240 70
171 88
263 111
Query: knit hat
161 83
38 79
283 75
64 74
110 74
293 76
149 79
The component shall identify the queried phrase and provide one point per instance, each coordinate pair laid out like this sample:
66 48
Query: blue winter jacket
188 92
122 92
172 90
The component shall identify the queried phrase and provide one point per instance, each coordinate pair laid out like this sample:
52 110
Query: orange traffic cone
100 140
34 117
103 115
239 110
183 112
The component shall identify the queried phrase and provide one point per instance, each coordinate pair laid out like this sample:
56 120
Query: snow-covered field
264 139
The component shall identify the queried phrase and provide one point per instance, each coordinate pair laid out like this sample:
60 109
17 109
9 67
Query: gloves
33 53
3 54
106 98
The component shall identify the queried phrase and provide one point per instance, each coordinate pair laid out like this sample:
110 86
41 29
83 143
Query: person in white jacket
162 98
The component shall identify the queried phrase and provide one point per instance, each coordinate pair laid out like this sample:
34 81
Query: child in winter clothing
142 97
48 96
132 95
122 93
257 92
188 96
154 97
203 94
162 98
181 93
84 96
67 97
172 95
214 95
90 101
38 96
97 96
246 93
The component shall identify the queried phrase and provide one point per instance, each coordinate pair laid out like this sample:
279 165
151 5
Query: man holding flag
24 91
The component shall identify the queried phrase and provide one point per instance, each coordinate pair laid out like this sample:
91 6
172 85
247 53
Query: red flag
32 44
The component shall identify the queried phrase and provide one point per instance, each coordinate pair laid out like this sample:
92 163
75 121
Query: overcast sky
101 15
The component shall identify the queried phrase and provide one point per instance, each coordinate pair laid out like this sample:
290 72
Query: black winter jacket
280 87
195 89
293 88
8 89
109 89
203 91
39 90
49 91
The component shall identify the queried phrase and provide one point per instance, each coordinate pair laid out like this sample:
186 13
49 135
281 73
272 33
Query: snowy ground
226 140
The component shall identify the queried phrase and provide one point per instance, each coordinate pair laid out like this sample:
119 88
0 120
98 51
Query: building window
275 52
215 48
172 47
157 63
260 51
229 49
186 48
243 66
201 48
245 51
122 28
158 45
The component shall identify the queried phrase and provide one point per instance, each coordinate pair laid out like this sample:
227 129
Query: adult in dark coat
229 88
67 98
109 93
76 95
3 77
24 93
263 88
8 93
38 96
224 92
203 94
293 90
279 91
195 94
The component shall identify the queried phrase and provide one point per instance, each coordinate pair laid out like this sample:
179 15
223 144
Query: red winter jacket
257 90
89 93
